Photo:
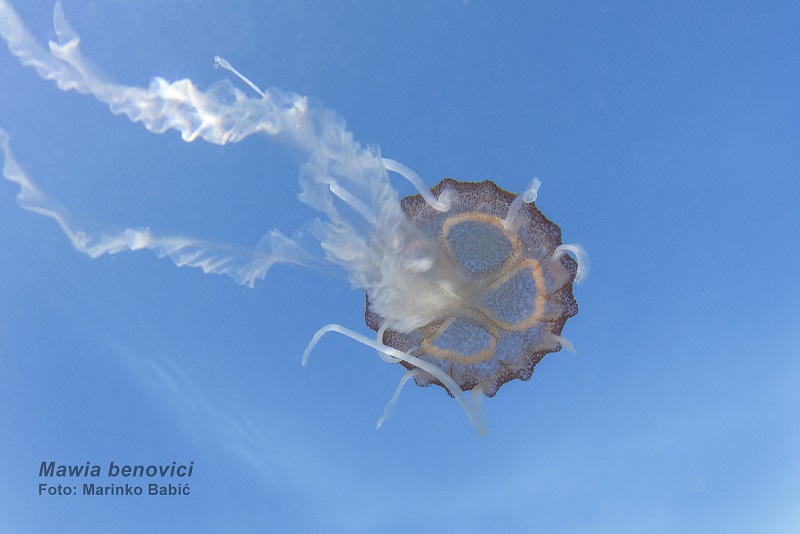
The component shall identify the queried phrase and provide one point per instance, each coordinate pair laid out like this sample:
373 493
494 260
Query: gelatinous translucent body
468 285
512 295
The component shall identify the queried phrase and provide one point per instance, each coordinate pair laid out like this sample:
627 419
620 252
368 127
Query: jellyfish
467 285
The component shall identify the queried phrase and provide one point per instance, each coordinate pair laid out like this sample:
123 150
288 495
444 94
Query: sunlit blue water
666 142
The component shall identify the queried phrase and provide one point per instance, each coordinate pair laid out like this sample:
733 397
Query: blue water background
666 138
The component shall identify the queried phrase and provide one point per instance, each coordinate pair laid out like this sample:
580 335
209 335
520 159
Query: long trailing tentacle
245 266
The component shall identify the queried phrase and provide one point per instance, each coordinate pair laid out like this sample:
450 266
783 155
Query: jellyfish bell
478 288
468 285
505 297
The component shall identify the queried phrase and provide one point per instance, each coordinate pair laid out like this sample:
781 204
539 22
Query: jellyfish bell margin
499 281
468 286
